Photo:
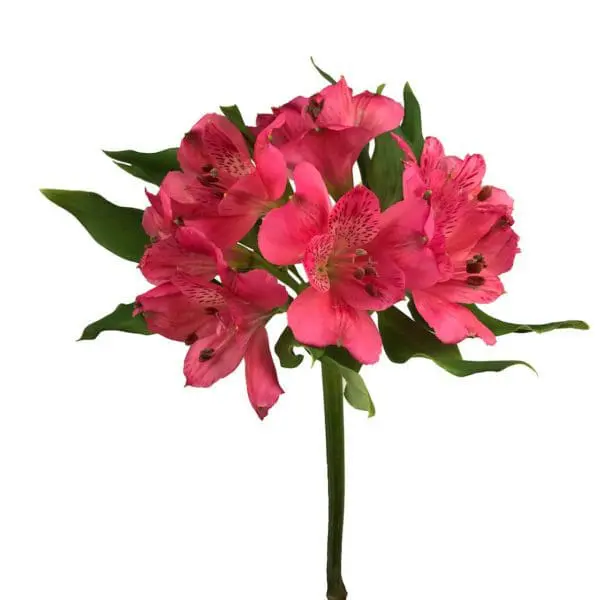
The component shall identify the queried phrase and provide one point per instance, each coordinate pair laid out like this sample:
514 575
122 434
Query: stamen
476 264
360 252
153 239
315 107
211 310
371 290
207 168
219 195
190 339
207 354
475 280
178 221
371 271
427 195
359 273
485 192
214 173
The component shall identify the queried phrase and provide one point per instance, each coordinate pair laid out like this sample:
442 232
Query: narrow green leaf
343 357
121 319
411 128
323 74
284 348
117 228
355 392
404 339
235 116
384 171
502 328
150 167
380 89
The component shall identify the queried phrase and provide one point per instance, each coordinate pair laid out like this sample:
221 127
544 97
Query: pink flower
330 129
222 324
354 257
472 236
220 191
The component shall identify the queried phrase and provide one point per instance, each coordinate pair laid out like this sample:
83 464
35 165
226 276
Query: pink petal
337 110
377 113
433 153
451 322
372 293
257 288
224 231
203 294
318 319
261 377
215 356
270 162
499 249
316 259
188 198
355 219
471 173
285 232
486 289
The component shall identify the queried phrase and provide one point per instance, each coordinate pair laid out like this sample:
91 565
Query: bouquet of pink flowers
248 222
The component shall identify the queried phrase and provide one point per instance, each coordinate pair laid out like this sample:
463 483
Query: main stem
334 436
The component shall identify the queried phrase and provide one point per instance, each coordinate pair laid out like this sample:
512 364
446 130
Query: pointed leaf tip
323 74
121 319
151 167
117 228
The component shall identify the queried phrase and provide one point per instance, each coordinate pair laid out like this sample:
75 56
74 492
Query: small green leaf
117 228
121 319
235 116
501 328
284 348
323 74
384 171
411 128
355 391
343 357
404 339
380 89
150 167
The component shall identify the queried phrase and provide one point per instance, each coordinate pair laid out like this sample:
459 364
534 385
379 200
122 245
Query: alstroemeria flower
353 255
220 191
473 224
330 129
222 324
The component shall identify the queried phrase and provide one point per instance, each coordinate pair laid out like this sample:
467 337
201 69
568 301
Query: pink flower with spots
354 257
222 324
472 235
330 129
220 191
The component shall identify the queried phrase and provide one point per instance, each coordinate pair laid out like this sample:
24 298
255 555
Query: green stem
281 273
334 436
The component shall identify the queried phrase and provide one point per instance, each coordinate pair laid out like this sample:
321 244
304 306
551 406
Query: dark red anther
207 354
485 193
190 339
211 310
475 280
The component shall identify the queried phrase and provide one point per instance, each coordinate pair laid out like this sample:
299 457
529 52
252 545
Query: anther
178 221
485 192
211 310
360 252
190 339
315 107
207 168
475 280
370 271
359 273
371 290
476 264
427 195
207 354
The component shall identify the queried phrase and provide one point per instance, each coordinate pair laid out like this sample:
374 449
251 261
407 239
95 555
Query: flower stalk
334 436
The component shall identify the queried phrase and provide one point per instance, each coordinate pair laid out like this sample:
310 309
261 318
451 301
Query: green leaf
411 128
355 392
235 116
323 74
404 339
343 357
384 171
501 328
380 89
121 319
284 348
150 167
117 228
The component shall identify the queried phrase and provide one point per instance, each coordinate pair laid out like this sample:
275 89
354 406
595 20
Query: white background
116 483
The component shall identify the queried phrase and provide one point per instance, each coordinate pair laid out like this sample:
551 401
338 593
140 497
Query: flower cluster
445 243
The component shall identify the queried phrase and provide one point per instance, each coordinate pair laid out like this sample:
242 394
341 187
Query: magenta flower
220 191
330 129
472 235
222 324
354 257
